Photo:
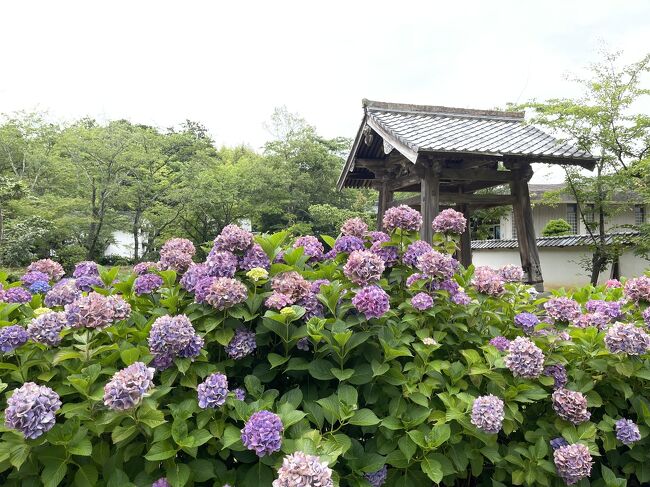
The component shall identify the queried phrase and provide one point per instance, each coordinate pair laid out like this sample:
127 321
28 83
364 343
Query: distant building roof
537 191
560 241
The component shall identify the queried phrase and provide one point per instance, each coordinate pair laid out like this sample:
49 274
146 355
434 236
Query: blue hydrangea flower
262 433
32 410
212 392
12 337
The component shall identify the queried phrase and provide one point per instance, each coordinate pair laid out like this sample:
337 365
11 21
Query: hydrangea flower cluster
558 443
437 265
372 301
233 239
62 293
488 281
31 409
146 267
46 328
638 289
220 292
311 247
348 244
39 287
262 433
242 344
53 269
300 469
402 217
192 276
303 344
511 273
596 319
171 337
526 321
363 267
414 251
221 263
613 284
573 462
525 359
34 276
487 413
85 268
562 309
213 391
128 386
176 254
288 288
501 343
121 309
240 393
378 477
91 311
627 338
449 221
627 432
161 482
16 295
611 309
86 283
254 257
12 337
354 227
646 316
422 301
558 372
570 405
147 284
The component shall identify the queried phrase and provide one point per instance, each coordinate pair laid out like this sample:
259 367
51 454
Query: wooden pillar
466 238
525 230
385 197
429 199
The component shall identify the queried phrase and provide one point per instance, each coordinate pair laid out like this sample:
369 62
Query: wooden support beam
526 231
429 199
466 238
371 164
476 174
385 197
403 181
486 200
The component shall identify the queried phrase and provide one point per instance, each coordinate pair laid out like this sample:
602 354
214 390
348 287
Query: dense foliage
367 360
556 227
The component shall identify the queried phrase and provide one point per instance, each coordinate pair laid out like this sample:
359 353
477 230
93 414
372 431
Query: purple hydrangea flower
378 477
16 295
611 309
40 287
192 276
176 254
53 269
558 372
372 301
312 247
315 286
488 281
12 337
91 311
128 386
303 344
627 432
221 263
213 391
436 265
86 283
46 328
511 273
526 321
500 343
34 276
573 462
312 305
558 443
562 309
627 338
414 251
146 267
363 267
62 293
291 284
121 309
240 393
413 278
161 482
147 284
262 433
487 413
85 268
220 292
596 319
638 289
570 405
422 301
388 253
171 337
402 217
233 239
449 221
242 344
524 359
348 244
646 316
254 257
278 301
329 255
613 283
377 237
354 227
299 469
32 409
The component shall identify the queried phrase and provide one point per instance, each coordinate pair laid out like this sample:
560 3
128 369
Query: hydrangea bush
370 359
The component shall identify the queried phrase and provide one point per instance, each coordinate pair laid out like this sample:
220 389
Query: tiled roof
561 241
441 129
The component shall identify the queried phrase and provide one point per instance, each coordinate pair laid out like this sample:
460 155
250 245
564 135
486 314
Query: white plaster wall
122 245
560 266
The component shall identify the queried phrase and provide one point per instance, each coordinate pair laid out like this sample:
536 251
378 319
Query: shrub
556 228
309 375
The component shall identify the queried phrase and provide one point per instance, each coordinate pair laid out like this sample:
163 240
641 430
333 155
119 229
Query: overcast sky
228 64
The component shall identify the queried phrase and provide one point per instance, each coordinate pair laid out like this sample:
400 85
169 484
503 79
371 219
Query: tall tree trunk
136 236
93 223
